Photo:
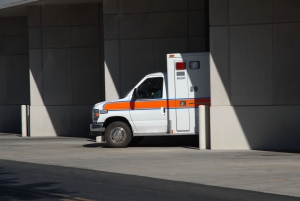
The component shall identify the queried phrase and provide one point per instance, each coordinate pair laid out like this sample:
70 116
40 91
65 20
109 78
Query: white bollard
100 139
24 120
204 127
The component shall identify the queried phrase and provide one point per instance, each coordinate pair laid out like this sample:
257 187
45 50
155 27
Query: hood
100 105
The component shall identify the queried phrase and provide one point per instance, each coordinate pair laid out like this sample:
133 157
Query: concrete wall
139 33
255 73
14 72
66 67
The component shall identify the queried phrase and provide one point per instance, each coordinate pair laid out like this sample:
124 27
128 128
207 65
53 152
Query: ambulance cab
161 104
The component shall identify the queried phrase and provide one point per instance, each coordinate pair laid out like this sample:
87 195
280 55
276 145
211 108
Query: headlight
95 115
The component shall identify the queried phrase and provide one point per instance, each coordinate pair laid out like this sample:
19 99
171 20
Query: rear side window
151 88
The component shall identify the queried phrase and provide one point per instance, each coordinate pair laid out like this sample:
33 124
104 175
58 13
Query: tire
118 135
136 140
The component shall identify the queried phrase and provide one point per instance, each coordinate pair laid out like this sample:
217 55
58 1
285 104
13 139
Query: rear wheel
118 135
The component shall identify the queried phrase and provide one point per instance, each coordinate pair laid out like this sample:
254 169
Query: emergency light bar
180 66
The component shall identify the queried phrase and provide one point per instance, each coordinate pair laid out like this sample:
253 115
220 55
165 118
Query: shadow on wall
14 65
10 117
138 37
66 68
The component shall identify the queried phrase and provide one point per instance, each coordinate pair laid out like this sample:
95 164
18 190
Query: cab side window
151 88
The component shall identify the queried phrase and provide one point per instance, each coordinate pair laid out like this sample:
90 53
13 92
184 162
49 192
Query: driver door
148 111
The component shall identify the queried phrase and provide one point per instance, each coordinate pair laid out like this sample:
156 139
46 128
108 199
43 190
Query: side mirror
134 94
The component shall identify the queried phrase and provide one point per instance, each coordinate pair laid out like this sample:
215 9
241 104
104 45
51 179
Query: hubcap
117 135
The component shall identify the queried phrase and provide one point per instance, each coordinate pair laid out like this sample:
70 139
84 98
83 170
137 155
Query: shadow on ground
188 142
12 189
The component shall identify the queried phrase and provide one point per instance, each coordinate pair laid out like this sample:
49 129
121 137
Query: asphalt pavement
160 160
27 181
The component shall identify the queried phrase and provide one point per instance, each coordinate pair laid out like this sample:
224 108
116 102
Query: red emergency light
180 66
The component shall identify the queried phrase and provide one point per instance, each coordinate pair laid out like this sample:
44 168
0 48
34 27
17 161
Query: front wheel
118 135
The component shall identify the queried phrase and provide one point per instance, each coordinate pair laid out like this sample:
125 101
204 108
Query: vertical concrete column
24 120
204 131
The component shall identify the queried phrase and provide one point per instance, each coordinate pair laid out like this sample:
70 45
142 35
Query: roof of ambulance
188 54
156 74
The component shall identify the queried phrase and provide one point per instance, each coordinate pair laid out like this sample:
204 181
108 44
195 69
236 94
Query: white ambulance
161 104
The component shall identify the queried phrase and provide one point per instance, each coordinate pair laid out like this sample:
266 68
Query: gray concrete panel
34 16
196 4
100 5
286 63
55 15
218 12
197 26
102 74
135 6
2 45
16 26
56 37
16 45
86 76
35 37
36 77
137 61
10 119
198 44
170 5
170 24
84 14
112 69
162 47
101 36
219 66
251 65
110 6
57 77
255 127
85 36
3 93
111 26
18 79
136 26
250 11
2 26
60 121
287 11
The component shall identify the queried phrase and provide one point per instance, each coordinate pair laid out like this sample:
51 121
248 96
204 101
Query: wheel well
113 119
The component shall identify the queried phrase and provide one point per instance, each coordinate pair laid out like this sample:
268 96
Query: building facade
61 57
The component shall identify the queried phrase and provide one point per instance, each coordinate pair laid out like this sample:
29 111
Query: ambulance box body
161 104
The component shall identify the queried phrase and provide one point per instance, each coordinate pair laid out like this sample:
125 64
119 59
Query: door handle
163 110
192 89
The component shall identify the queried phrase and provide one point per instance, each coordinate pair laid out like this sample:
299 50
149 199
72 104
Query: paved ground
28 181
270 172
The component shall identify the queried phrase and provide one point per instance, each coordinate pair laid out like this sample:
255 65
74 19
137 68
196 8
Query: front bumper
96 127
